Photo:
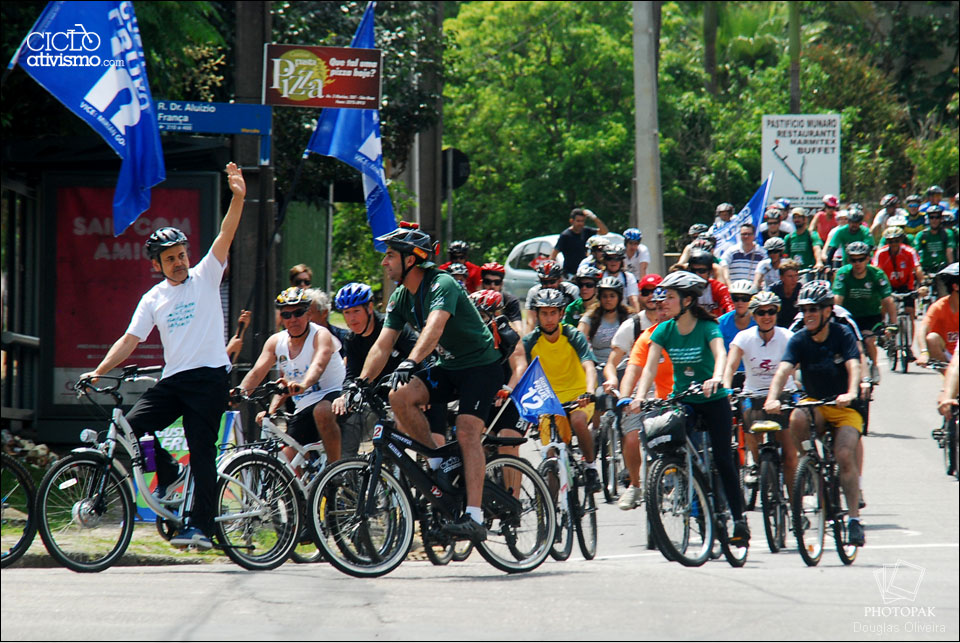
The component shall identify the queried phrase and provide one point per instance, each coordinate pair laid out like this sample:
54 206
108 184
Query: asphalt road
903 585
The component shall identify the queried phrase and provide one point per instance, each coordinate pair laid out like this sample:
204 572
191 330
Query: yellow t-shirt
562 361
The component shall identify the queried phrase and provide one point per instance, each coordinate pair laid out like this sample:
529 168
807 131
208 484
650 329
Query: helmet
798 212
457 269
494 267
686 283
725 207
353 294
611 283
815 293
487 301
412 240
857 248
659 294
914 199
855 215
549 298
843 214
831 201
597 241
893 232
889 201
934 189
933 209
650 280
589 272
774 244
783 203
615 251
743 287
549 270
764 298
458 248
162 239
709 238
949 275
897 220
293 296
700 258
772 214
632 234
697 229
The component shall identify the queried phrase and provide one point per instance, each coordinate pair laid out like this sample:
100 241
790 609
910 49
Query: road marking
912 546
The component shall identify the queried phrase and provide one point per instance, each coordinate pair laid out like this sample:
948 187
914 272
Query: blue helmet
353 294
632 234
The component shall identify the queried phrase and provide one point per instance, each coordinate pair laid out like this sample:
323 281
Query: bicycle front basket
665 430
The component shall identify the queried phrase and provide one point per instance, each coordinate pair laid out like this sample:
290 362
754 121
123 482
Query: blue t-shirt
728 327
823 365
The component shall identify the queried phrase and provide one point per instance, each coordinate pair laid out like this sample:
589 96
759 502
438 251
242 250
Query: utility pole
794 57
649 210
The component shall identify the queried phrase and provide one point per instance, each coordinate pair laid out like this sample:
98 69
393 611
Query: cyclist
915 217
825 220
828 357
787 289
459 272
866 292
724 213
948 396
692 339
934 196
739 318
186 310
693 233
937 334
457 251
572 241
901 265
716 298
742 259
491 274
355 302
549 273
804 245
705 242
844 235
468 366
570 366
936 244
308 358
771 227
888 208
602 319
768 270
628 332
613 258
596 249
586 280
637 259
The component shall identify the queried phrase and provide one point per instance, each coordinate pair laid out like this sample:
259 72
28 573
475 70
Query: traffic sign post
803 152
197 117
456 171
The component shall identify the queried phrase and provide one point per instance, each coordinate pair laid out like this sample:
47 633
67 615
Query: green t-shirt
848 234
690 354
800 247
574 312
466 341
862 297
932 247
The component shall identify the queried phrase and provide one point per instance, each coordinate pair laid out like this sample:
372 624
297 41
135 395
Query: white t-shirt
630 287
770 274
293 369
625 337
189 317
760 361
786 226
632 264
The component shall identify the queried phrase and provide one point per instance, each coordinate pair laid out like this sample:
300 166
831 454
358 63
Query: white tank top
294 368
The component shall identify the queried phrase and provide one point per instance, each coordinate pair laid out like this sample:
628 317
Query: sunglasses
301 282
588 284
492 282
934 216
290 314
806 310
767 312
646 292
701 271
857 260
741 298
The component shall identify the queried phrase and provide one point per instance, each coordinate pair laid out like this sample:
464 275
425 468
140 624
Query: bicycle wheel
462 550
846 551
586 521
609 449
562 546
903 348
892 354
518 514
356 542
439 553
770 501
258 521
682 526
809 511
19 523
82 529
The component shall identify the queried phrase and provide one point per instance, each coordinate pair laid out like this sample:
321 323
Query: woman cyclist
694 343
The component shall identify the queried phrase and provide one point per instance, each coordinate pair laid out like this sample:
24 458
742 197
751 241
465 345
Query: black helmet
549 298
708 238
458 248
854 215
611 283
686 283
162 239
934 189
857 248
293 296
549 270
697 228
700 258
457 269
413 241
815 293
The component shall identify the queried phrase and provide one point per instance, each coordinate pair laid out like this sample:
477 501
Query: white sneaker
630 498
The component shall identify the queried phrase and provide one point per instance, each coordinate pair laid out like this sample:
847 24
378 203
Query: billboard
308 76
803 153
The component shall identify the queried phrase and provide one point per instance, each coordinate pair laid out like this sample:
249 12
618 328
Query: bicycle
19 519
946 434
818 500
685 500
85 503
609 440
898 347
565 476
363 511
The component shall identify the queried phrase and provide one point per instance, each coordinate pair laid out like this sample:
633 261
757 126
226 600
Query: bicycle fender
222 464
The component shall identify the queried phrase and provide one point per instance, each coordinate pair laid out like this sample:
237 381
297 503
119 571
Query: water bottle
149 453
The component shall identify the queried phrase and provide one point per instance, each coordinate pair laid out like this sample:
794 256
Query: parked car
520 276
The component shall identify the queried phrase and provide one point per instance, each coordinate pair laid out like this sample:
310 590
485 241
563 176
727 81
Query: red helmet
549 270
487 301
493 266
831 201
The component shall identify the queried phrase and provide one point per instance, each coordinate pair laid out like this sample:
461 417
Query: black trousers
199 396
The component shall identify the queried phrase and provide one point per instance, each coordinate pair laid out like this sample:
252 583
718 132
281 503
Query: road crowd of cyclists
795 307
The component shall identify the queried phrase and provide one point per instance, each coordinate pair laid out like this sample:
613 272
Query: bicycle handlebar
131 373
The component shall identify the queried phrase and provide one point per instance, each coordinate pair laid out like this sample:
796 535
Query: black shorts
509 419
475 387
867 323
908 302
302 427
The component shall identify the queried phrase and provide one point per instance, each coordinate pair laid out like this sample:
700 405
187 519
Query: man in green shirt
936 244
468 368
804 245
843 236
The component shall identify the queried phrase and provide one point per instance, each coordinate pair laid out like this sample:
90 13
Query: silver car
520 277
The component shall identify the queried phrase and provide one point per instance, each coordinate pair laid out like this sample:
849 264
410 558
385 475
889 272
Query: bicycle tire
437 553
562 546
609 455
81 533
586 521
361 546
684 529
519 533
846 552
258 520
892 355
462 550
19 519
770 501
903 349
949 447
308 555
809 504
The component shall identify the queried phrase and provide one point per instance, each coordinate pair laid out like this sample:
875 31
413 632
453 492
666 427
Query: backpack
505 339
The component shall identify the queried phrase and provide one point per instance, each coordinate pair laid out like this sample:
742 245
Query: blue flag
534 396
353 136
727 234
90 57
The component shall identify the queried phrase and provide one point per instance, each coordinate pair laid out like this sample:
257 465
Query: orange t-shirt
663 381
944 322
